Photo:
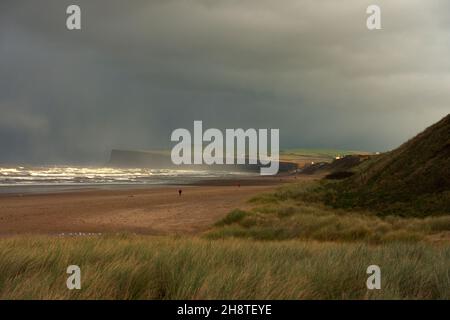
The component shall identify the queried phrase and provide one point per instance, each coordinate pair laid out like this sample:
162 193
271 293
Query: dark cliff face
162 160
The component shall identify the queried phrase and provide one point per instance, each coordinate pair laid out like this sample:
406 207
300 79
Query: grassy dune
135 267
286 214
412 180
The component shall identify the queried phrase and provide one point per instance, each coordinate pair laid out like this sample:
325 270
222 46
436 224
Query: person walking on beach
179 192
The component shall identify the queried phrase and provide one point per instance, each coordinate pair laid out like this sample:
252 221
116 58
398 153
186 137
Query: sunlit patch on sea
79 176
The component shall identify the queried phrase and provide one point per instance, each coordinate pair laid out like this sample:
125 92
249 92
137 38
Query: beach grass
284 215
144 267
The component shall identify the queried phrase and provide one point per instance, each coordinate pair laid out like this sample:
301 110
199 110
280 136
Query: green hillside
413 179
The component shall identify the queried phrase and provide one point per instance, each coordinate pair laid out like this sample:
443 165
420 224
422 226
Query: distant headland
161 160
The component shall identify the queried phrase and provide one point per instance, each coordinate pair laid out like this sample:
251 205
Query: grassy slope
289 214
132 267
412 180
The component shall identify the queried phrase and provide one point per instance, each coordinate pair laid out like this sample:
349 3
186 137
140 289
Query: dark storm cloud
139 69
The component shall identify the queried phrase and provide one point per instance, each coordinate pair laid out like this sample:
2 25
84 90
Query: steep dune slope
413 179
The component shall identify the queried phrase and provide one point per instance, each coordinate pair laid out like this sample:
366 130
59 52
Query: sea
25 179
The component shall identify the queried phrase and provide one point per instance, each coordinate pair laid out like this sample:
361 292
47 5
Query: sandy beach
155 210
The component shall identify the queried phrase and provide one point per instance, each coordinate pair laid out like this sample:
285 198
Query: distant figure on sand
179 192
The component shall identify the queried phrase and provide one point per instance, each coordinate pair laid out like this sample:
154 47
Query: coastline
151 209
23 189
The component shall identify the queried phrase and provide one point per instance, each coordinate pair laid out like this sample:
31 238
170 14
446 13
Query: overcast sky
140 69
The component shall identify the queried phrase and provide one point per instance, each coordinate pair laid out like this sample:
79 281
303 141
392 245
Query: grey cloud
140 69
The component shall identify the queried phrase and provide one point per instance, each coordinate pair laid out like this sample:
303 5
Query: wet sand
155 210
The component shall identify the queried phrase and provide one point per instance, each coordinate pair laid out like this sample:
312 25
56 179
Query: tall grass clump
139 267
285 214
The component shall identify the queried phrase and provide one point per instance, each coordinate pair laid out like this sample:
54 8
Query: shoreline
152 210
11 190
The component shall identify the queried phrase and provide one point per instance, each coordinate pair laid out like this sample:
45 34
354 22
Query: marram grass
139 267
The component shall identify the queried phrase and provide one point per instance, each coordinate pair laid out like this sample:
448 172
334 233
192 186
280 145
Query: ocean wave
70 175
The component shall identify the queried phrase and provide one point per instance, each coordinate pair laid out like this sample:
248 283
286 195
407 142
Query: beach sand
154 210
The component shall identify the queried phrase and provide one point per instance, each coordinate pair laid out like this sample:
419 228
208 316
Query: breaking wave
70 175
